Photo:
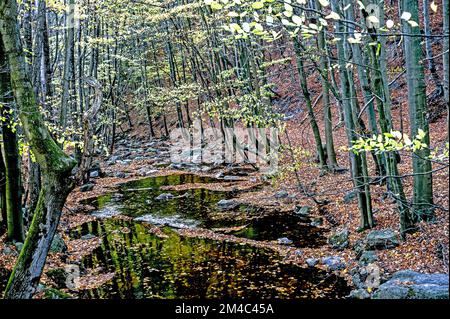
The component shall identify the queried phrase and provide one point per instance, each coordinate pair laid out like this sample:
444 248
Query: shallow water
148 266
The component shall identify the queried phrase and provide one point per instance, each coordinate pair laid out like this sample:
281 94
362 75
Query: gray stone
281 194
19 246
368 257
333 263
165 196
312 262
228 204
381 239
87 187
87 237
58 245
303 211
339 239
284 241
120 175
359 294
408 284
316 222
9 252
231 178
94 174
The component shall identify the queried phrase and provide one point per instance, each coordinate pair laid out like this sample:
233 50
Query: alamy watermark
215 145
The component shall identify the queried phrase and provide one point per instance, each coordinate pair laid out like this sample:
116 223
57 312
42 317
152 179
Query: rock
368 257
18 246
87 237
281 194
112 160
381 239
333 263
145 172
359 294
228 204
339 239
120 175
284 241
408 284
9 252
58 245
219 175
303 211
316 222
312 262
350 196
94 174
165 196
87 187
231 178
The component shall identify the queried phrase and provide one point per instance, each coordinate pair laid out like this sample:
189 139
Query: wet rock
281 194
228 204
333 263
368 257
284 241
165 196
359 294
339 239
408 284
58 245
312 262
87 187
381 239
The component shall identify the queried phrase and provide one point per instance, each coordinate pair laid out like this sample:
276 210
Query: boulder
408 284
312 262
368 257
87 187
333 263
381 239
359 294
339 239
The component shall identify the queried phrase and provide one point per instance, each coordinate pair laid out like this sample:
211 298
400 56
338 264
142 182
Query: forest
264 149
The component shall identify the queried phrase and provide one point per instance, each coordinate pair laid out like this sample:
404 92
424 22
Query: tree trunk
418 112
56 166
11 156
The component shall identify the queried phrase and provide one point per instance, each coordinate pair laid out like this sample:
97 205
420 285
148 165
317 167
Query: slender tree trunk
312 118
10 155
418 112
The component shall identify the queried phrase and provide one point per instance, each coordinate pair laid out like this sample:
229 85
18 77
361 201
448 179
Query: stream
175 266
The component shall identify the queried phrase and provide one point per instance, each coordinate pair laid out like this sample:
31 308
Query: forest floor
424 251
